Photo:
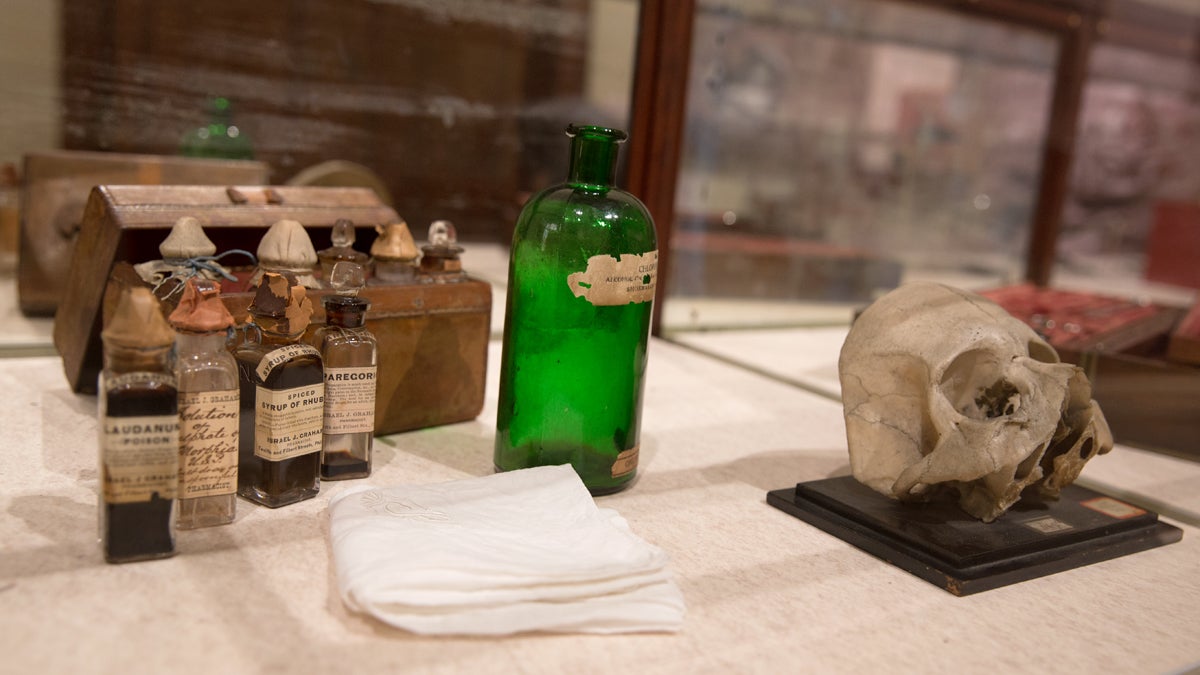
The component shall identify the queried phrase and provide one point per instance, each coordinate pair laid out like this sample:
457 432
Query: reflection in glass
1136 178
835 148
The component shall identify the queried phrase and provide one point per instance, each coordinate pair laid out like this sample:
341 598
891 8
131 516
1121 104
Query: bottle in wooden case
282 391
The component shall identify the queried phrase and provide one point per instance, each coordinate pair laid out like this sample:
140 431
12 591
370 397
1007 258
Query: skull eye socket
1041 351
975 385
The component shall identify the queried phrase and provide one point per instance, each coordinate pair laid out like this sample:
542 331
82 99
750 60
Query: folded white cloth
511 552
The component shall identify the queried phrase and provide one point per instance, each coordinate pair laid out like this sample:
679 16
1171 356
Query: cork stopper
186 240
286 302
200 310
138 322
286 245
394 242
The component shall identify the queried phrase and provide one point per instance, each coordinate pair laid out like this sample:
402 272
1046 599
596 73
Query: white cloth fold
512 552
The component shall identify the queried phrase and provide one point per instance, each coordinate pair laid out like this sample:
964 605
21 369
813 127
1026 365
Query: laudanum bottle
139 432
581 283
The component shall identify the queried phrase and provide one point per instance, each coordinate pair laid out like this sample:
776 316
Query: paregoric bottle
349 353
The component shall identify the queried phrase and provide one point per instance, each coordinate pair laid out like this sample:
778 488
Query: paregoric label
349 400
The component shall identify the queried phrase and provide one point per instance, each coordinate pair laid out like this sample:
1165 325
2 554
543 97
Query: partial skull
943 389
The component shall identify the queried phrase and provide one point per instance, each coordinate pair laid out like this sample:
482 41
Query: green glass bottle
220 138
580 288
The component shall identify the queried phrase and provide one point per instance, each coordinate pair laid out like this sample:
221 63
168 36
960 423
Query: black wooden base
943 545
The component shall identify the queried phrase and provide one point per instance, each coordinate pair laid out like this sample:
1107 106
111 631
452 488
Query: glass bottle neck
268 333
593 159
198 343
344 319
128 360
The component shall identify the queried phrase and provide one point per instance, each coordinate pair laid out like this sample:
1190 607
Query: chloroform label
625 279
287 422
140 457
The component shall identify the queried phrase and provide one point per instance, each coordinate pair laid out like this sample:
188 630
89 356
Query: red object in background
1077 320
1173 250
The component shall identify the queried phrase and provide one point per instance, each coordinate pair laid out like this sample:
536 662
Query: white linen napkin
511 552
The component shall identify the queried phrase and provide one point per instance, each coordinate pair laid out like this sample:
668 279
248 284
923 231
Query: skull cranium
942 387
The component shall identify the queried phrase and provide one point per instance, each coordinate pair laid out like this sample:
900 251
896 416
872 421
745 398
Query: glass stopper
347 278
343 233
442 233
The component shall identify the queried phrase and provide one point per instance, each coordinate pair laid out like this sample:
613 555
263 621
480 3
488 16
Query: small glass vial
282 394
139 432
394 254
342 249
208 408
349 353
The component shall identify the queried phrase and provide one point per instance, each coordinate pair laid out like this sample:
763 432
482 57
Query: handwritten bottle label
208 443
139 457
282 355
349 400
628 278
287 422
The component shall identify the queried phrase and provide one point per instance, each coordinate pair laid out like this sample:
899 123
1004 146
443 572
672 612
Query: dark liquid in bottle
344 465
287 481
139 530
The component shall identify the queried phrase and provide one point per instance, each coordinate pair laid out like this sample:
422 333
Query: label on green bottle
626 279
627 461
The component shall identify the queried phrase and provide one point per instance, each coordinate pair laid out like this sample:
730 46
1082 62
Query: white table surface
766 593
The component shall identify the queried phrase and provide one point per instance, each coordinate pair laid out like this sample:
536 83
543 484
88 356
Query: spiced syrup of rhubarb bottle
580 286
282 392
139 432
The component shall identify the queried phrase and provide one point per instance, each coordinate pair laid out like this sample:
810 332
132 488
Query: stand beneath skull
941 544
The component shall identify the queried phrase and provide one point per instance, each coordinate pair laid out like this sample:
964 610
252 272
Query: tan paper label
626 462
138 378
208 443
349 400
139 457
287 422
282 355
628 278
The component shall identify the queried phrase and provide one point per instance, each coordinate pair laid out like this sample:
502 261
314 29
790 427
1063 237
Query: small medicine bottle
349 353
208 407
282 398
139 432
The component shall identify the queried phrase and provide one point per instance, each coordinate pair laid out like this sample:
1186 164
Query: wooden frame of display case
661 81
